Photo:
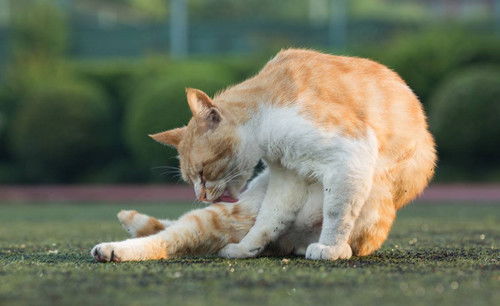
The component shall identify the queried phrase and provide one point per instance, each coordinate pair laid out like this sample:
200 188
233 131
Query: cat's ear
198 101
170 137
203 107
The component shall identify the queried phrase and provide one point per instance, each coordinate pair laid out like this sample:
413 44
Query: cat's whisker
228 179
173 171
235 172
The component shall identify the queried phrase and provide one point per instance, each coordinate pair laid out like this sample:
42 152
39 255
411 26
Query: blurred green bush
117 79
426 59
3 121
61 130
159 103
464 119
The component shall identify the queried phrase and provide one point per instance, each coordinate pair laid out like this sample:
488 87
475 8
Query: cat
345 142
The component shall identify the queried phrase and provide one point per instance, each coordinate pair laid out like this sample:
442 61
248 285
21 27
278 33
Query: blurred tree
157 9
39 28
40 40
249 9
389 9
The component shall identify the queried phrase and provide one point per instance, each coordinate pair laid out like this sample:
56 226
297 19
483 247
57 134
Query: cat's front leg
284 197
347 184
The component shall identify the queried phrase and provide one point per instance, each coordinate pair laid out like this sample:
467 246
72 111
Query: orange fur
151 227
205 231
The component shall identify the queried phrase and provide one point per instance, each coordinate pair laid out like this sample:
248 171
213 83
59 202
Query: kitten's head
208 150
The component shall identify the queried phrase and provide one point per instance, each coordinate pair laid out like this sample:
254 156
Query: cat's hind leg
140 225
347 182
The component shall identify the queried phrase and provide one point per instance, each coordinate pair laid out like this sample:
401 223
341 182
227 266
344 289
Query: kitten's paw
318 251
139 225
106 252
236 250
126 216
131 221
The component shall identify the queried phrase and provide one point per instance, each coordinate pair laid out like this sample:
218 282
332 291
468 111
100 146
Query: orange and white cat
345 142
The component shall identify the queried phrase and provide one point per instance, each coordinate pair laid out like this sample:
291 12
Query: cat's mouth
226 197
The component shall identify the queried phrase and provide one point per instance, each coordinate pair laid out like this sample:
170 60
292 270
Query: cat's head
208 150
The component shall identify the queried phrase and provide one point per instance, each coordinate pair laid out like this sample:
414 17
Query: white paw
318 251
106 252
236 250
126 218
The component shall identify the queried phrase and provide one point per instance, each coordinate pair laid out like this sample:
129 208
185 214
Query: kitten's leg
199 232
284 197
140 225
347 184
202 231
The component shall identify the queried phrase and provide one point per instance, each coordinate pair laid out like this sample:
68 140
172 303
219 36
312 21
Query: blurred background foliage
83 82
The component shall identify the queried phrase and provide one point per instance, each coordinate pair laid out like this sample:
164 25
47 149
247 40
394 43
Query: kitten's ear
170 137
203 107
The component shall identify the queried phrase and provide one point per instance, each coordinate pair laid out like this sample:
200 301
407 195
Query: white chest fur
282 135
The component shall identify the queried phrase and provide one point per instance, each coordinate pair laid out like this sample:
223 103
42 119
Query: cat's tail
415 172
391 190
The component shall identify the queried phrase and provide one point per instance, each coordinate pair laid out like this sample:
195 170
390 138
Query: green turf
436 255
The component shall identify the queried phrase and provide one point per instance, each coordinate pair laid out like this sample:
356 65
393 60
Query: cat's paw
126 218
139 225
236 250
106 252
318 251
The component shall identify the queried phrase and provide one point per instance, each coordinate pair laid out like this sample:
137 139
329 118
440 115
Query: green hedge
3 125
159 103
60 131
426 59
464 118
117 78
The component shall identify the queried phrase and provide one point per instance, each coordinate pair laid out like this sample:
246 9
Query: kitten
346 145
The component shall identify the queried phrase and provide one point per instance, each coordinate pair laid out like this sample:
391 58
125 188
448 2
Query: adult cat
346 145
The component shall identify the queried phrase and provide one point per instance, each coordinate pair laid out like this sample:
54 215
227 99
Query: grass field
445 254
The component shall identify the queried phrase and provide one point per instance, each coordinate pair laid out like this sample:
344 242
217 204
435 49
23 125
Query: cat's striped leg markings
140 225
199 232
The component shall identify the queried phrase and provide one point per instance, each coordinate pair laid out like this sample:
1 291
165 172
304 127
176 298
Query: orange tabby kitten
345 142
